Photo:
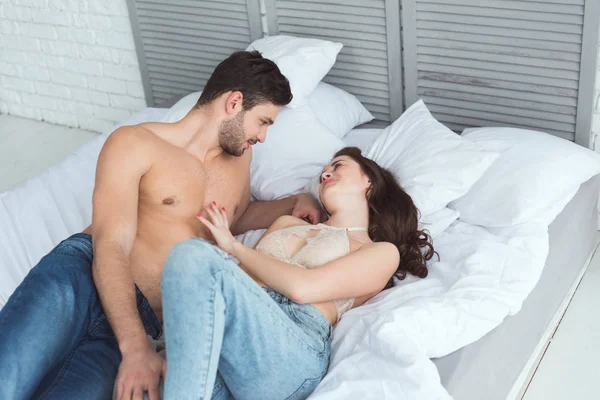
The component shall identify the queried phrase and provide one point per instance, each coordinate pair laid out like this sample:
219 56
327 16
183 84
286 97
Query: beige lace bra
313 246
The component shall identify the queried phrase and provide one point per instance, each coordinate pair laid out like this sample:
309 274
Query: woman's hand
219 227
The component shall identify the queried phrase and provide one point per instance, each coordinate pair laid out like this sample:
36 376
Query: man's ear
234 102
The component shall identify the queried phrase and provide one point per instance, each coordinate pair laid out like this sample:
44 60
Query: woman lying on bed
265 333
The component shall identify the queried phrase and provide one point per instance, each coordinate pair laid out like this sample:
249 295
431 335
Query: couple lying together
168 199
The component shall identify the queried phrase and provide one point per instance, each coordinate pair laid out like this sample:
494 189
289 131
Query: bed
37 215
479 300
517 345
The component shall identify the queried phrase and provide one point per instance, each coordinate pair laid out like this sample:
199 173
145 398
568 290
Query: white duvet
381 350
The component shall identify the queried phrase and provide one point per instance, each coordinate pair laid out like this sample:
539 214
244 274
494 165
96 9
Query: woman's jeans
227 337
55 340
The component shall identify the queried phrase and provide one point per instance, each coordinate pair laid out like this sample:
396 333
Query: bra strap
359 228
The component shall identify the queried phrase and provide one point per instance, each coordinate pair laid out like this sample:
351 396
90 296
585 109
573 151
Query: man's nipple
169 200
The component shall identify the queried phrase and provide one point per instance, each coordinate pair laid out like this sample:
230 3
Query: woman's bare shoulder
382 251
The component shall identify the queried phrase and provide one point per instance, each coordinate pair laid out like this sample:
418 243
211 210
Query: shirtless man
83 314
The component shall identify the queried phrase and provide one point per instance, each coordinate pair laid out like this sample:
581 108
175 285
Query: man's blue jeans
55 340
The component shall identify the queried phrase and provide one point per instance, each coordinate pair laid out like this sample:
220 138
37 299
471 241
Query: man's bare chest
182 189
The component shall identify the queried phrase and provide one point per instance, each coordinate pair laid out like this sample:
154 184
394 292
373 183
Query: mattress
499 364
382 349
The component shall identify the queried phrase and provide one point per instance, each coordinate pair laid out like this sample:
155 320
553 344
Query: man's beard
232 135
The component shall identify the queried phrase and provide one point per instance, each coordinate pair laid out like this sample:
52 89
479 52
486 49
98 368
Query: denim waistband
83 236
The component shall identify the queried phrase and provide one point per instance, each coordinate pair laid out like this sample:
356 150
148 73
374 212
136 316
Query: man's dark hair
259 80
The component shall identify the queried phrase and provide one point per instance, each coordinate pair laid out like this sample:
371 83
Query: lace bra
315 245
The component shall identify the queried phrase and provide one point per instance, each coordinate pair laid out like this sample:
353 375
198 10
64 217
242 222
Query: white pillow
303 61
362 138
535 171
296 148
337 109
433 164
439 221
181 108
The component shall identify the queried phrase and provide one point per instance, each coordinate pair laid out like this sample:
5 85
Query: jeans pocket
316 336
307 387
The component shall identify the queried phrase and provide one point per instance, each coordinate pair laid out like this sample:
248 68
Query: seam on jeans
218 386
212 329
95 324
311 380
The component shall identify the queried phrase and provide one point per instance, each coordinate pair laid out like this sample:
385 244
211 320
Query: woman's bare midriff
327 308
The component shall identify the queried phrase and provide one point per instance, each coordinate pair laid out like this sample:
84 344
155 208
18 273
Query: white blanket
381 350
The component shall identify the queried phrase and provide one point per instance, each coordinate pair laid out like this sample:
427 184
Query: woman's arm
357 274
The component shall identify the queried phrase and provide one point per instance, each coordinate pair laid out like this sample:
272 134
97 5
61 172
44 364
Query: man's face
237 134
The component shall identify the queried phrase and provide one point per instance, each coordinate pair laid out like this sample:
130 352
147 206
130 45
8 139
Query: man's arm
122 163
261 214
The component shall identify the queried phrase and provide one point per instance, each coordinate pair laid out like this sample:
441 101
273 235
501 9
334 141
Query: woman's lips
328 183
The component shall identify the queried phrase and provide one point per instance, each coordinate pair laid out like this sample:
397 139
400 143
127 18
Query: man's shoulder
133 132
132 143
134 137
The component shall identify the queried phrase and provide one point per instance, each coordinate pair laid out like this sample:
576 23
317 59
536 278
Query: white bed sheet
381 350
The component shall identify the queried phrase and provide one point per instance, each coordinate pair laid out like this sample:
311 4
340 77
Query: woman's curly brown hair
394 218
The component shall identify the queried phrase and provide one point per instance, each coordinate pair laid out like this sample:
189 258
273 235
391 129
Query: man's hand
307 207
140 372
262 214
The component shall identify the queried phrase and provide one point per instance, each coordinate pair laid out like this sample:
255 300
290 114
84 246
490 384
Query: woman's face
342 175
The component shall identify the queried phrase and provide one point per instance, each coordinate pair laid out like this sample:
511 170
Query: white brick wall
69 62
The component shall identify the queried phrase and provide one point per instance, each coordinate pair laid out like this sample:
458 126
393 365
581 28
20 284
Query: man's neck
200 134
